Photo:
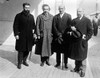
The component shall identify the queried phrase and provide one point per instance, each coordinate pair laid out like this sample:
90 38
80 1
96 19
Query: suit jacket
59 27
78 50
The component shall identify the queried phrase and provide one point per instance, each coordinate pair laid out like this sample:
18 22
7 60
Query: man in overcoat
44 35
23 27
79 48
61 25
95 23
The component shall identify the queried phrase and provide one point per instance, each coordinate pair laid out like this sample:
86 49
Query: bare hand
17 37
35 36
38 37
73 28
84 37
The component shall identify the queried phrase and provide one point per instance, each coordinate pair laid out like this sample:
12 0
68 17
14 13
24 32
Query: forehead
46 7
80 10
27 6
61 7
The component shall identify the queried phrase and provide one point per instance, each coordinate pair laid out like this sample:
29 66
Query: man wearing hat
79 46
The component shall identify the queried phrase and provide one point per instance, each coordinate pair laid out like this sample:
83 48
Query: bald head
80 9
80 12
61 8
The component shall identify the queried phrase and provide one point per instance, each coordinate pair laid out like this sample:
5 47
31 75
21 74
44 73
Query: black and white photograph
49 38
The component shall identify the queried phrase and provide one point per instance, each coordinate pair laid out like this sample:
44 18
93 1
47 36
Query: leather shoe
75 70
66 66
82 73
42 64
25 63
57 65
47 63
19 66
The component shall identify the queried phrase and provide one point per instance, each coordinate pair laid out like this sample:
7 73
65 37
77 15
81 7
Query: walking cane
62 61
30 55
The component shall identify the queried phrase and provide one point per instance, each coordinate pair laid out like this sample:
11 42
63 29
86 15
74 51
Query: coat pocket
83 43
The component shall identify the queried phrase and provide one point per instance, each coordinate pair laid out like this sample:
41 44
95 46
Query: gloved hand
60 40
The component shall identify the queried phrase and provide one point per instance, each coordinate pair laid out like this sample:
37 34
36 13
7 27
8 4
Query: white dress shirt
61 15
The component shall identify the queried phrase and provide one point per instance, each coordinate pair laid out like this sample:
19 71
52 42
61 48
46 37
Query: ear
49 8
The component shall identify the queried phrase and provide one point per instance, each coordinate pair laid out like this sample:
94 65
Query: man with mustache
24 27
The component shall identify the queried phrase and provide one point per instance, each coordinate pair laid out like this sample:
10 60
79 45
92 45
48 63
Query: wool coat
43 29
95 26
60 27
79 48
23 26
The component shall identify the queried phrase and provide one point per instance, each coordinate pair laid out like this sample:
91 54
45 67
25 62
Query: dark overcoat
78 49
95 26
23 26
43 29
60 25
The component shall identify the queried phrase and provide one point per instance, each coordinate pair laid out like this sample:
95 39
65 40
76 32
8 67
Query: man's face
46 9
27 8
96 15
79 12
61 9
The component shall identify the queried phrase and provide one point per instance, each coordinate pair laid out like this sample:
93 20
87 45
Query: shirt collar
61 15
81 17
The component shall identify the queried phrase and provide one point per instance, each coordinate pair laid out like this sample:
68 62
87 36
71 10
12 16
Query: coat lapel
79 21
46 18
63 16
59 18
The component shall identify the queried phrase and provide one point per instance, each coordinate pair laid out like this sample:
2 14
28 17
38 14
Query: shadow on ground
12 57
94 56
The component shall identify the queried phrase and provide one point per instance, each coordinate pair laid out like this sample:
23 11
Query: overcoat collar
62 16
46 18
80 20
25 13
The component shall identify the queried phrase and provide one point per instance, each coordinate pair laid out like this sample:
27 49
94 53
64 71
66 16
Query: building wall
8 10
5 30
